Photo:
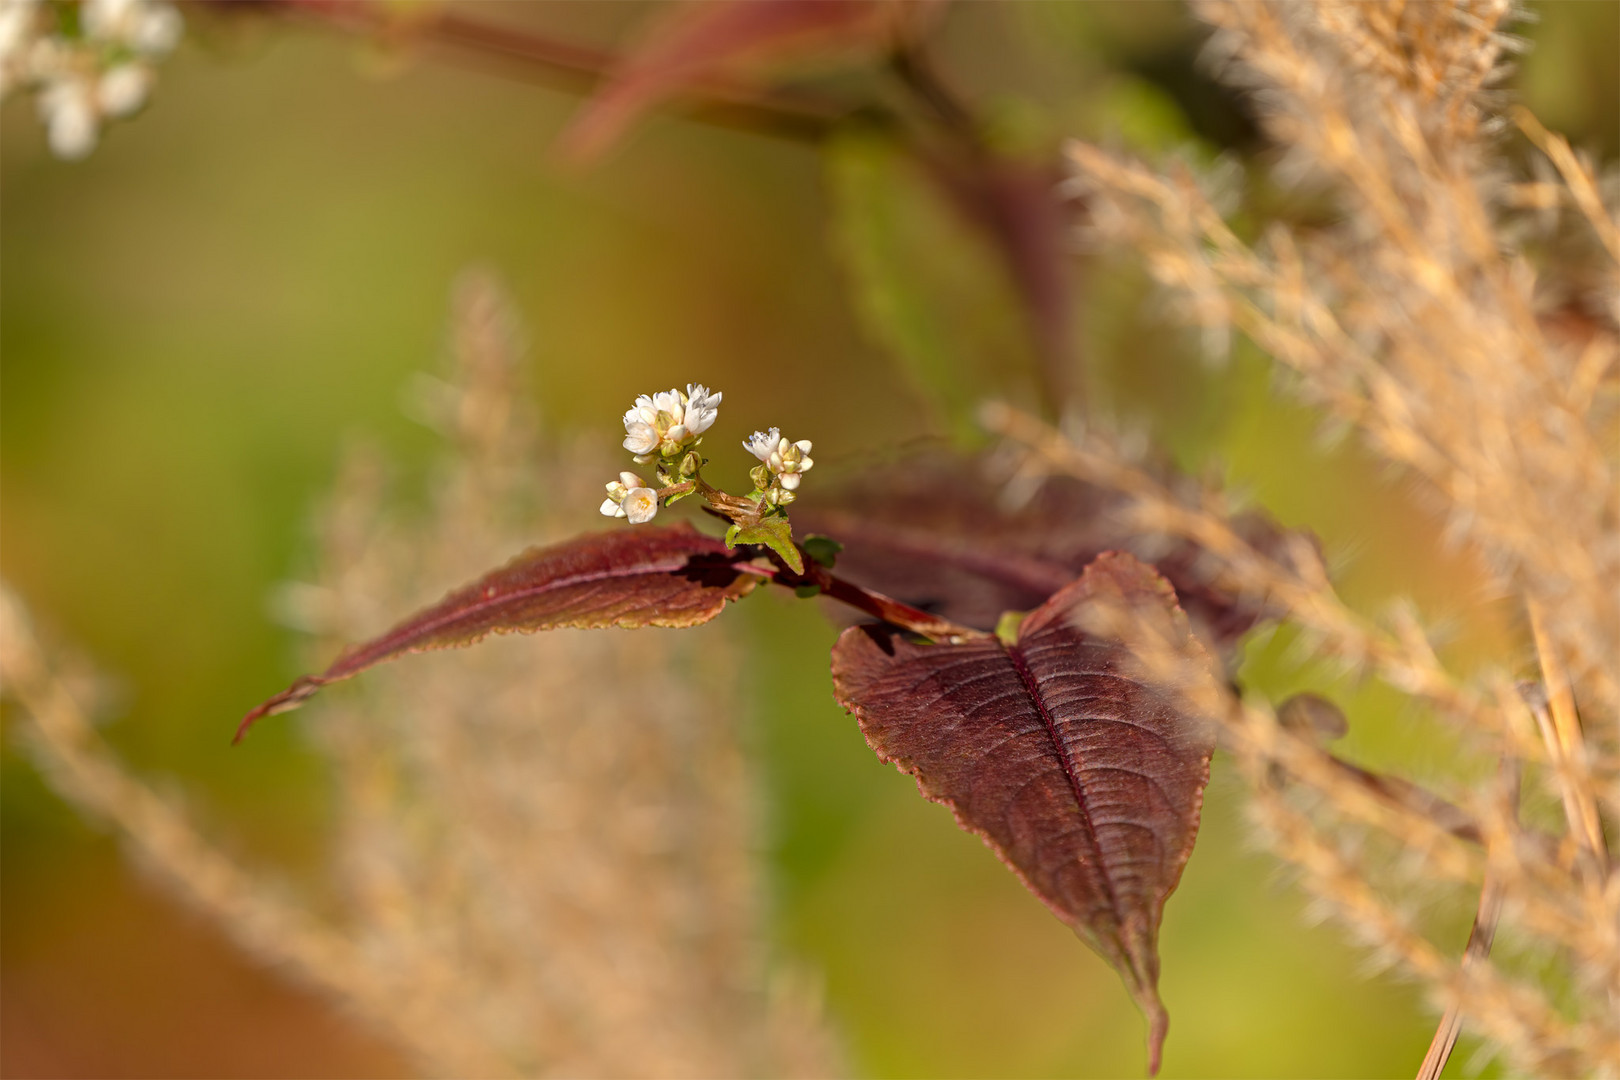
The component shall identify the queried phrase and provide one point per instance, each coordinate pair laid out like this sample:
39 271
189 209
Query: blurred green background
198 317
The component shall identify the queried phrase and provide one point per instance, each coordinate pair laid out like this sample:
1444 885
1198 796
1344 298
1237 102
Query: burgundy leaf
703 40
1086 782
642 576
936 533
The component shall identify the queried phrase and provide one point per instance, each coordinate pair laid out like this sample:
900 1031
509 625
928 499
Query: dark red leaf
1085 781
641 576
935 532
703 40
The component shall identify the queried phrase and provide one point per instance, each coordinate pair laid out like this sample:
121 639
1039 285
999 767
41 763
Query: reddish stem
868 601
579 70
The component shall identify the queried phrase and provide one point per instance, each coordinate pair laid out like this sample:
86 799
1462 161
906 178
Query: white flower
123 89
108 20
87 78
669 421
641 437
149 27
629 497
618 490
762 443
789 461
157 31
69 110
784 460
19 30
702 406
640 505
669 401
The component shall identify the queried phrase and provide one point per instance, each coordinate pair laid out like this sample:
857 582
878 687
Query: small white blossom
669 421
762 443
784 462
702 406
123 89
158 31
630 497
19 30
68 109
148 27
618 490
641 505
83 80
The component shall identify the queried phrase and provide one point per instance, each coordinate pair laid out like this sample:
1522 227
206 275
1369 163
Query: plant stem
575 69
1480 936
876 604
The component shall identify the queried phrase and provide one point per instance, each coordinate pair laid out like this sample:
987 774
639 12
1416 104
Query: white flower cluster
629 498
666 424
784 462
664 427
102 73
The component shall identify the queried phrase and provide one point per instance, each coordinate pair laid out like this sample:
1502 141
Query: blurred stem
916 72
989 175
574 69
1561 731
1480 935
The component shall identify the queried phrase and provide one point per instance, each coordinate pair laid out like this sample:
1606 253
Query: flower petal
762 443
642 438
641 506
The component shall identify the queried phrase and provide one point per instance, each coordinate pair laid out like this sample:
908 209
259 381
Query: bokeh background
196 321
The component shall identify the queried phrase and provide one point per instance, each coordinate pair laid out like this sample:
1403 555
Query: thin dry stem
1480 936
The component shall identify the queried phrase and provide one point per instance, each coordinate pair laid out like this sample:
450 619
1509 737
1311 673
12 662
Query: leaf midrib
1071 772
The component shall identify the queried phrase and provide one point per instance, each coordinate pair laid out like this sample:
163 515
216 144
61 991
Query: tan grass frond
255 912
1414 319
1305 803
1423 321
544 847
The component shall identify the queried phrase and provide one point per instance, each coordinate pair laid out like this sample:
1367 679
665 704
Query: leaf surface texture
1086 782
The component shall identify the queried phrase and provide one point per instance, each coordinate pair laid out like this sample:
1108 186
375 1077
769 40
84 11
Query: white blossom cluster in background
86 63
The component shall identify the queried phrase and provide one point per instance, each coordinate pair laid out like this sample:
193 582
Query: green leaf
928 288
1007 626
823 549
775 533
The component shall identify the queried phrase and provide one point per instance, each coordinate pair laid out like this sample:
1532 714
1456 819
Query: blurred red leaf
1086 782
701 41
935 532
645 576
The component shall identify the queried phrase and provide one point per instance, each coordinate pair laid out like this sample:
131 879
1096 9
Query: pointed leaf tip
1087 783
1158 1027
641 576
